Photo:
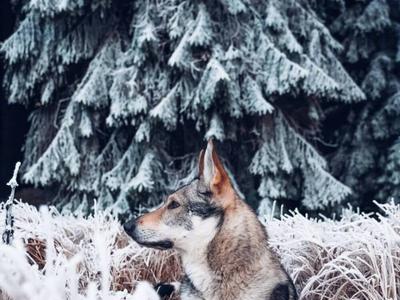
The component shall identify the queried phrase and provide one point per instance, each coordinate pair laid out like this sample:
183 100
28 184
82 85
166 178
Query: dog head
191 215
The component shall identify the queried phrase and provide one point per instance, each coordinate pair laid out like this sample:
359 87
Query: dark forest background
326 135
13 118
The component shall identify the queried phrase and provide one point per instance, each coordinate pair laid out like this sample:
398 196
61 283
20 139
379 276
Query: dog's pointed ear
212 170
201 163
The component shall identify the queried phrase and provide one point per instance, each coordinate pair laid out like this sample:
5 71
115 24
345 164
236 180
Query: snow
166 110
95 71
234 6
143 132
180 56
216 129
143 179
79 258
202 33
213 75
60 157
356 256
92 258
274 19
254 101
285 152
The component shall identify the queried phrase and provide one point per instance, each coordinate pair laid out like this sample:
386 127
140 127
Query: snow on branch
206 90
216 129
143 180
24 41
202 33
180 58
167 110
93 89
213 67
59 159
283 152
234 6
253 99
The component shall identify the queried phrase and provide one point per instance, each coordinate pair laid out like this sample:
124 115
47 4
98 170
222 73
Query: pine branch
9 220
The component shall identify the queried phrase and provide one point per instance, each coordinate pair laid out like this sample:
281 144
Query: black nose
130 226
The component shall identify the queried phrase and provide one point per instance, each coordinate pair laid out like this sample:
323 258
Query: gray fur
223 246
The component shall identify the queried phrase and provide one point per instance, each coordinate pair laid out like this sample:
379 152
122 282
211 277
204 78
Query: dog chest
199 274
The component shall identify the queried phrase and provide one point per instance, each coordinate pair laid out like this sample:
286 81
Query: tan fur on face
151 219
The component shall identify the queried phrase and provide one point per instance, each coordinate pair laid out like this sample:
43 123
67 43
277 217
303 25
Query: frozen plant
356 256
8 233
63 257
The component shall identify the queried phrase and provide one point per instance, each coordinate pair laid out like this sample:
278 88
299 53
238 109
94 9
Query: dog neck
211 263
240 240
195 258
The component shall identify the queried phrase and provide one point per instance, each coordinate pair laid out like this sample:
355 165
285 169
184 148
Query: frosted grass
74 257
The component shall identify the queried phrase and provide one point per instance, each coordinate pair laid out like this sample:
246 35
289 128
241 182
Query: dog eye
205 193
173 205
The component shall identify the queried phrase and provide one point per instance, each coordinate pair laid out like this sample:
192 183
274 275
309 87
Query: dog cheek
166 232
178 235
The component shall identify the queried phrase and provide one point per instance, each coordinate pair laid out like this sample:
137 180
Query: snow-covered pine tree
368 154
126 92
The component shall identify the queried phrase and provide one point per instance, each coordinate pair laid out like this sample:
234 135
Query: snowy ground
357 257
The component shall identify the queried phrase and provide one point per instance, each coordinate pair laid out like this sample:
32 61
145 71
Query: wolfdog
223 246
